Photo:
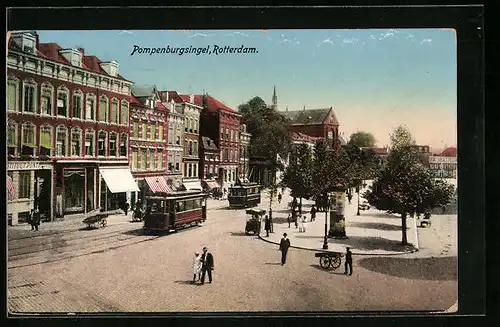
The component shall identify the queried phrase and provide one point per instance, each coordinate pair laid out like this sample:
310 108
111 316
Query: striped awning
211 184
11 188
158 184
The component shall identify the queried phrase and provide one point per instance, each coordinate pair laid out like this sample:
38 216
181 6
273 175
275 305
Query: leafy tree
405 185
362 139
298 175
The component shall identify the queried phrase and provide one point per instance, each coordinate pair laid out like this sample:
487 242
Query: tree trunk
300 207
403 229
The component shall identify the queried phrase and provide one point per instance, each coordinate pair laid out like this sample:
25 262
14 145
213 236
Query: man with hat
348 261
284 245
207 265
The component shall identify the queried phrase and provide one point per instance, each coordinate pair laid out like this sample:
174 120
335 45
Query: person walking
207 265
294 218
304 224
197 267
284 245
348 261
289 220
267 225
36 218
31 217
126 206
279 198
313 212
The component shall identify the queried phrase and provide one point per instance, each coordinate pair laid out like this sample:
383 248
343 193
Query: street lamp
325 243
357 190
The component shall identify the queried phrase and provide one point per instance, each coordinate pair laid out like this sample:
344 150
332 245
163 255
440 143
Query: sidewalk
374 232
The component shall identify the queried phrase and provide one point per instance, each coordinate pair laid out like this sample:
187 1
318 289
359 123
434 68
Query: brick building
192 146
148 141
68 130
221 124
211 161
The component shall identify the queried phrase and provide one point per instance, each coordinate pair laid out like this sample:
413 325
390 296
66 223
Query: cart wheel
336 261
324 262
103 223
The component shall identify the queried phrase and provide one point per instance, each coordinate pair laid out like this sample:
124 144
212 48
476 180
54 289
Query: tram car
243 195
176 210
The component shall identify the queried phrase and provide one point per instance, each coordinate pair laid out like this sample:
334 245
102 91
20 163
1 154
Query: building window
189 170
195 149
78 104
170 162
227 134
61 141
103 109
46 99
29 96
196 126
76 142
134 159
24 184
124 113
90 107
114 114
160 159
226 155
62 101
222 133
151 160
232 136
28 139
231 155
45 140
160 132
178 140
12 94
186 123
144 158
123 145
191 123
89 143
135 129
170 134
112 145
177 166
190 148
236 136
144 131
12 138
101 144
153 132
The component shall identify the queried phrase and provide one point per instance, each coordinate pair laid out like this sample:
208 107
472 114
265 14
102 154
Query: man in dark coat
279 198
267 225
313 212
207 265
348 261
36 219
126 206
284 245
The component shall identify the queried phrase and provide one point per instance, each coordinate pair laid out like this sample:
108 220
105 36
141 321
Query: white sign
27 165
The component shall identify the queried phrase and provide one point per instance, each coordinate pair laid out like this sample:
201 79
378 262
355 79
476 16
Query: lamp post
325 243
357 189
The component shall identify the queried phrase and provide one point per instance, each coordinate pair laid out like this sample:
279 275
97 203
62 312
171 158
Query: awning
158 184
212 184
193 185
119 180
11 188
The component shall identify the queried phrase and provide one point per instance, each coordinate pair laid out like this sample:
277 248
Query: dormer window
73 56
110 67
26 40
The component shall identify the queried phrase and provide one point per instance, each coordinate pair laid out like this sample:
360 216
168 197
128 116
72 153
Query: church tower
275 99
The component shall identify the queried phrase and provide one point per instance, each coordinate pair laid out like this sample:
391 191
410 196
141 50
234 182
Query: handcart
329 259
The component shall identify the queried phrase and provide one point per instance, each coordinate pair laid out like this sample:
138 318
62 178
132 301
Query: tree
298 175
405 186
362 139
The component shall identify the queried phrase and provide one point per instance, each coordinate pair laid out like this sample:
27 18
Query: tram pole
325 243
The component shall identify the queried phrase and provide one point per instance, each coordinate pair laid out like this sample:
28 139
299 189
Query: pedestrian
267 225
294 218
304 224
31 218
207 265
126 206
349 197
197 267
288 219
348 261
279 198
284 245
313 212
300 209
36 218
282 189
271 220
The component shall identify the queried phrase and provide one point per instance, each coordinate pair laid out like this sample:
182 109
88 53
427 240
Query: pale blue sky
374 79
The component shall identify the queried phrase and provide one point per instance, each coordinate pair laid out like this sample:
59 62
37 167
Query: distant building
211 161
445 164
380 153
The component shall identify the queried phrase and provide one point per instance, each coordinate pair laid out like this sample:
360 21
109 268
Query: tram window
197 203
188 205
180 206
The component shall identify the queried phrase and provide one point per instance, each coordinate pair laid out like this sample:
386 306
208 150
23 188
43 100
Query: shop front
115 183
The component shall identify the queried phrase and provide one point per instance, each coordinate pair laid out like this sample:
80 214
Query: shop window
24 189
90 143
28 139
61 141
46 99
135 156
29 96
103 109
12 94
78 104
76 142
101 144
144 159
90 107
62 102
12 138
112 145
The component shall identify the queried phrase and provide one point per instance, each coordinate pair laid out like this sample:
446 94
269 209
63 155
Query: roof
171 95
133 100
301 137
208 144
449 152
212 103
309 116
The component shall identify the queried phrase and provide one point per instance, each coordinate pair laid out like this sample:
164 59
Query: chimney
191 98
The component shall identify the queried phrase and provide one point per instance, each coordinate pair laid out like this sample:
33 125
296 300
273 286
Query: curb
354 253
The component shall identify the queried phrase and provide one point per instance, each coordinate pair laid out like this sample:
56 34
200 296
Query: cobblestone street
119 269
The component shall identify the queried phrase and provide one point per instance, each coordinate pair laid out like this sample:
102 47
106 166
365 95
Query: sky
375 79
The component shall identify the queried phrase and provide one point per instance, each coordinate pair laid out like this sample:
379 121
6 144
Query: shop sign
27 165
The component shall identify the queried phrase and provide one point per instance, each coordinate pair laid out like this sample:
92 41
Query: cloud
124 31
239 34
350 41
410 36
426 41
325 41
385 35
200 34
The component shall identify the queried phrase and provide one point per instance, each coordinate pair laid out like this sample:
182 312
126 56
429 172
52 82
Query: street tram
243 195
175 210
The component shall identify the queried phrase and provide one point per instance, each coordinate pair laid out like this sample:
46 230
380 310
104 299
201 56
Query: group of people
203 264
34 219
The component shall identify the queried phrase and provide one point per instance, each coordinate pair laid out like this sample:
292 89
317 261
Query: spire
286 108
304 108
275 99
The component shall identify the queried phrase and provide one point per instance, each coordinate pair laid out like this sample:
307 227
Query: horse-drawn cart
98 219
329 259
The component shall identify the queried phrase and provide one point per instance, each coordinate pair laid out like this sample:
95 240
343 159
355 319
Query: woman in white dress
196 267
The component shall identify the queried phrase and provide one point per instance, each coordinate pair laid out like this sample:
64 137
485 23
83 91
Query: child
196 267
